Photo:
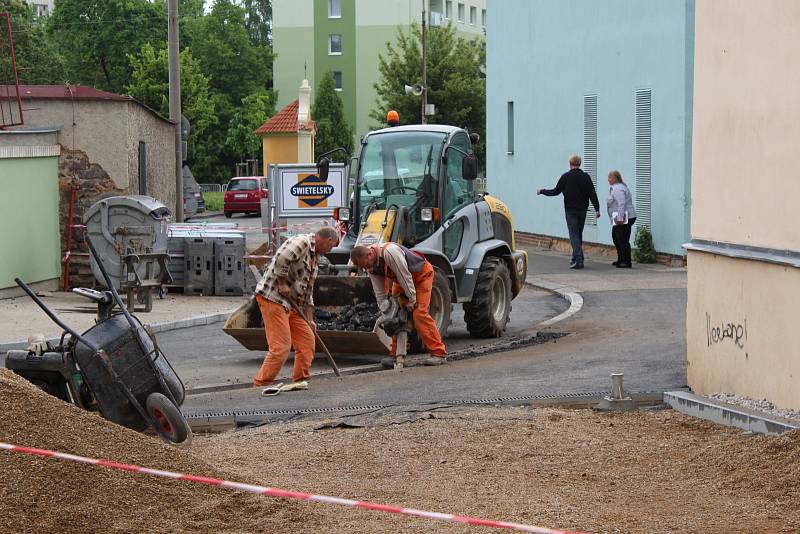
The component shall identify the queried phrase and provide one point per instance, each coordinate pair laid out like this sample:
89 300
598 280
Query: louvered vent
590 146
643 156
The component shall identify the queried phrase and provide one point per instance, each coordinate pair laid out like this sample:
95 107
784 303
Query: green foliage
259 21
98 37
150 85
333 131
241 141
237 68
456 81
120 46
644 252
214 200
38 60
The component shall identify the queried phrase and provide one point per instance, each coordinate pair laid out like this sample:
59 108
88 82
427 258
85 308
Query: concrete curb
198 320
727 414
216 388
570 294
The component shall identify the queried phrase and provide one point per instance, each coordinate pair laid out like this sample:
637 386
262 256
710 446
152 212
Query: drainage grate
458 402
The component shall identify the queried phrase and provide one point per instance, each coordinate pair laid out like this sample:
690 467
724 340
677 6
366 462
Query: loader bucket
345 302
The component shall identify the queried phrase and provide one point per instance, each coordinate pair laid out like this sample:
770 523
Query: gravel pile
639 472
44 495
358 318
761 405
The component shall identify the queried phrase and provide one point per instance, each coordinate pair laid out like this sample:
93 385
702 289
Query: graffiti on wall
735 333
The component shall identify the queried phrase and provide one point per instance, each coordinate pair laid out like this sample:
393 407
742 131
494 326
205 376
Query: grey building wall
108 132
159 139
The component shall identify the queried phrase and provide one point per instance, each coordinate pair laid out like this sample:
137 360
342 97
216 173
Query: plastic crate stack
207 259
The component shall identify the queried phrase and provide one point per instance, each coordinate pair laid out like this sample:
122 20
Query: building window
460 12
510 149
337 79
483 18
335 44
473 15
448 9
334 9
42 10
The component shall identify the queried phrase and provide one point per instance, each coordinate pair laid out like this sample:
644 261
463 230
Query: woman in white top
622 215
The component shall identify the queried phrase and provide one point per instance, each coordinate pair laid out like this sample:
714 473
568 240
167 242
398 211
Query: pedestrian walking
285 288
622 214
578 190
404 272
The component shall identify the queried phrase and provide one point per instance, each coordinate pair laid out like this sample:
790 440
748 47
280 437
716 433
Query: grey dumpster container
130 234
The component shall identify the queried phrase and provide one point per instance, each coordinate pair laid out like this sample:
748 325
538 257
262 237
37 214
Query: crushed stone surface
649 472
761 405
655 471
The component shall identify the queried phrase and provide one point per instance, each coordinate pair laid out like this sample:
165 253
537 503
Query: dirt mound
45 495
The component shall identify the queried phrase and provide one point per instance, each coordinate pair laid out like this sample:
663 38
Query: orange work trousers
423 322
284 329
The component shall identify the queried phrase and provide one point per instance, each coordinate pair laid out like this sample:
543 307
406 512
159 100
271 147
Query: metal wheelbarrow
115 367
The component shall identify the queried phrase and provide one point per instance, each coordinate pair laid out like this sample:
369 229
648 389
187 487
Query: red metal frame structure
8 71
70 227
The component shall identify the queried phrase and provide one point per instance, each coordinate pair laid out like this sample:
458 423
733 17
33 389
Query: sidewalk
20 316
599 275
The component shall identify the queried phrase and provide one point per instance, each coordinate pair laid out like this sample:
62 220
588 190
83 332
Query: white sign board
300 191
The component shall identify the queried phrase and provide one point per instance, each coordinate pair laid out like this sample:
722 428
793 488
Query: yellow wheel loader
415 185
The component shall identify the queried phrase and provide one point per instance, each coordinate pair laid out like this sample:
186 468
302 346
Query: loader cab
417 169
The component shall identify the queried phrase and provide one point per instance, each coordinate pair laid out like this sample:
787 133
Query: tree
222 44
38 60
241 140
328 114
98 37
150 85
259 21
455 77
236 69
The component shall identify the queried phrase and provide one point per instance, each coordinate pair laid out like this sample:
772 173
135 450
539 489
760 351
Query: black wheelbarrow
115 367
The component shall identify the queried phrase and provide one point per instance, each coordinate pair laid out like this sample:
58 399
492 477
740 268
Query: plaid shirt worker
296 261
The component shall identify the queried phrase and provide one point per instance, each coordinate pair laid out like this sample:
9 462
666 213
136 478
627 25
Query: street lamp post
424 66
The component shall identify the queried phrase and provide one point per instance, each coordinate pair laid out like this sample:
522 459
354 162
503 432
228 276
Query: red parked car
244 194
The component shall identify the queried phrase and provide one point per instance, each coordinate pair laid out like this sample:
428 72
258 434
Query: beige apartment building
744 257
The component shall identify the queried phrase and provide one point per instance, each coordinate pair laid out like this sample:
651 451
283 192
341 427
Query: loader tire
440 309
487 314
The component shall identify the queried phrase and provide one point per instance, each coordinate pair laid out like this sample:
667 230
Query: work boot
388 363
434 360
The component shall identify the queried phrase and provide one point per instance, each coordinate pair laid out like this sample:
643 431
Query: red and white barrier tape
274 492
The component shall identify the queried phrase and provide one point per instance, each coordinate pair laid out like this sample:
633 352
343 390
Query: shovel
319 339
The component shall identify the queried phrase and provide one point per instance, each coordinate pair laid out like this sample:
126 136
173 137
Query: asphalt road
633 321
204 356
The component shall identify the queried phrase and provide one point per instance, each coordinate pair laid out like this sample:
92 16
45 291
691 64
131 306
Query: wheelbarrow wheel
169 420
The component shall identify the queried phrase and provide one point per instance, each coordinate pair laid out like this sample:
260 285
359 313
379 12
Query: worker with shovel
284 292
410 275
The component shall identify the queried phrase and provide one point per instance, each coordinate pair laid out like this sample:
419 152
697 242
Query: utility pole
424 66
173 48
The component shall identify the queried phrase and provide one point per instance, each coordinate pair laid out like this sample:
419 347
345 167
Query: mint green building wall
344 63
29 233
293 44
300 37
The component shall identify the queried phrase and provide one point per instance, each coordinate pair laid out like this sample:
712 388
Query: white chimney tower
304 109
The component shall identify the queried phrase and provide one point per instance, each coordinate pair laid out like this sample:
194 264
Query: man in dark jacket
578 190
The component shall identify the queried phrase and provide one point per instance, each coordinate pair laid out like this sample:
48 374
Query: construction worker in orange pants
411 275
286 287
